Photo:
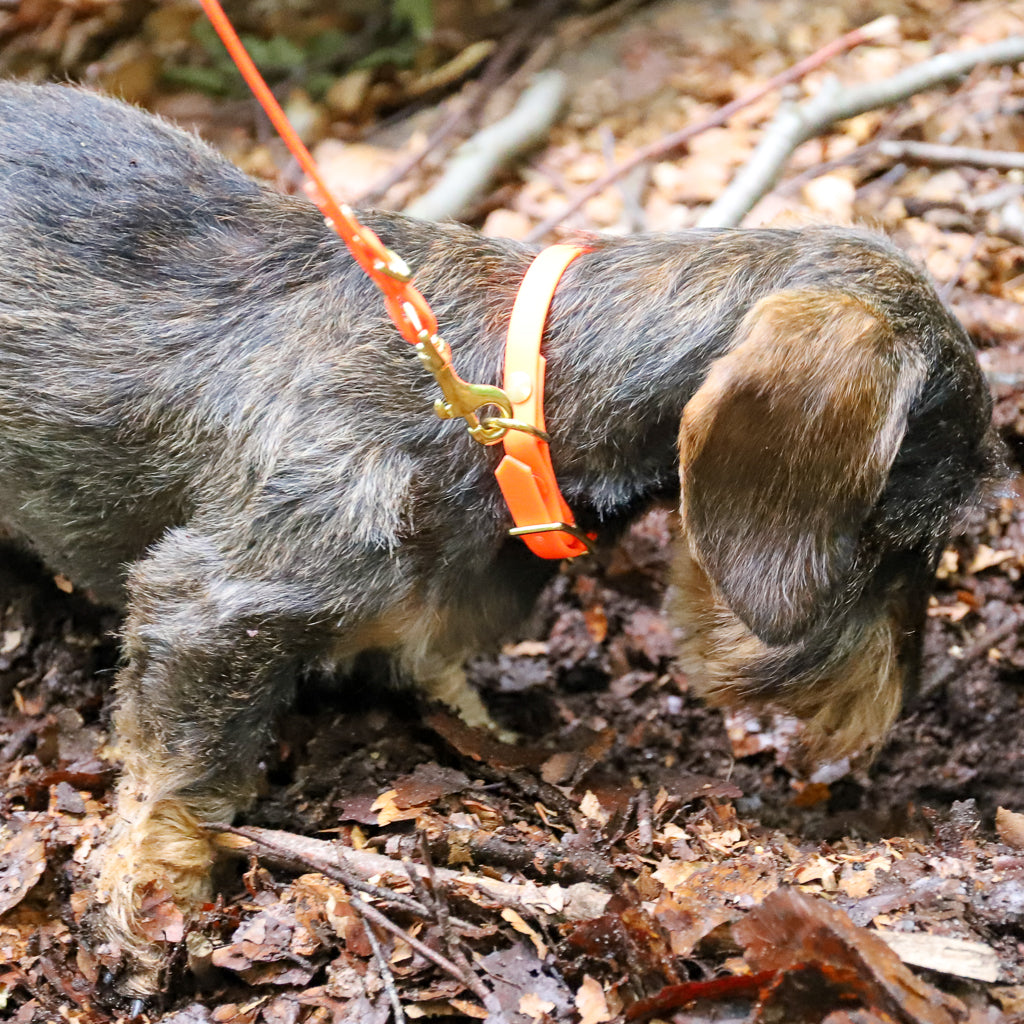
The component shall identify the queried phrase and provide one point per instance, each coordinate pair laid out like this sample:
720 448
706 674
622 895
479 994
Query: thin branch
452 942
382 965
964 156
371 913
977 650
481 91
795 124
478 159
644 822
294 852
581 901
664 146
896 124
306 852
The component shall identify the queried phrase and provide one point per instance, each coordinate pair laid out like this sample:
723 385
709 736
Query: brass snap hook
462 400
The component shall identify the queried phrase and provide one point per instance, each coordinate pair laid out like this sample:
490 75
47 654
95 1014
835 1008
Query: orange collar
525 475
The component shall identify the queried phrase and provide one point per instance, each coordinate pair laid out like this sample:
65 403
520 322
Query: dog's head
824 461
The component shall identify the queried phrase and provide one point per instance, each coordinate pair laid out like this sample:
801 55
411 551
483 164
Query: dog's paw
152 875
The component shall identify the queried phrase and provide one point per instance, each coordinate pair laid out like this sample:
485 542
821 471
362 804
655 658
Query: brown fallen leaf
591 1002
23 860
531 1005
482 746
1010 826
817 949
160 918
515 971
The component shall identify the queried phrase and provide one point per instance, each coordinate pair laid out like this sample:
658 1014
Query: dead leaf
517 970
159 918
517 922
986 557
23 863
1010 826
798 935
531 1005
591 808
427 784
591 1003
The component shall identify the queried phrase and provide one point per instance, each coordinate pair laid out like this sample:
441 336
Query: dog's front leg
210 658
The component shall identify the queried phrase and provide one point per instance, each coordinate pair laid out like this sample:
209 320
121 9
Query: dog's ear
784 450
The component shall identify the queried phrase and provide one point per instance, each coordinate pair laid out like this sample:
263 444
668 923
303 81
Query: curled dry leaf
1010 826
799 937
591 1002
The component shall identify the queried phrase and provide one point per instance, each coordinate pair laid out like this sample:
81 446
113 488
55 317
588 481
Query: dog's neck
631 332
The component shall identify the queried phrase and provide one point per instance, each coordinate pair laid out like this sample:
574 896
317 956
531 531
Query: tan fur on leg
157 839
453 689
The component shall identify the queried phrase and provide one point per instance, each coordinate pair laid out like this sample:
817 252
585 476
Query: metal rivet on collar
519 386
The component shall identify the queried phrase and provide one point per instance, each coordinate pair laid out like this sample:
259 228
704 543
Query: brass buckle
569 528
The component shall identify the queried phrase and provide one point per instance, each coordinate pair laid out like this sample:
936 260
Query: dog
207 419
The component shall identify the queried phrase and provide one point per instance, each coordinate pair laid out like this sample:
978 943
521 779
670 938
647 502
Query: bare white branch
796 123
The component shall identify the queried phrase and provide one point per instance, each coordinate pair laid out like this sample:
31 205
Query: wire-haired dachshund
206 418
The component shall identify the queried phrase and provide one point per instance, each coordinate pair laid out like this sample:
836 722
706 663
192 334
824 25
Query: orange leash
525 475
385 269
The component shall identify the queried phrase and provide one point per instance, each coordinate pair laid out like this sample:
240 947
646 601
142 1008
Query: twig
631 187
977 650
965 156
282 849
896 124
475 163
550 859
796 123
644 825
582 28
578 902
18 739
573 32
793 185
670 143
382 965
281 845
482 90
474 984
440 905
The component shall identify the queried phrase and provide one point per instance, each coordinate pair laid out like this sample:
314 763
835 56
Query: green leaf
417 14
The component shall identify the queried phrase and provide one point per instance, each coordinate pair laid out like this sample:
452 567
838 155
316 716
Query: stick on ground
795 124
664 146
963 156
476 161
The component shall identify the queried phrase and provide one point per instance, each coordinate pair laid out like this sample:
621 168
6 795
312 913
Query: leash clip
460 398
463 400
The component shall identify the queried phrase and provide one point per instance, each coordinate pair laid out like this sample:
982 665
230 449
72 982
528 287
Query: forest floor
640 856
